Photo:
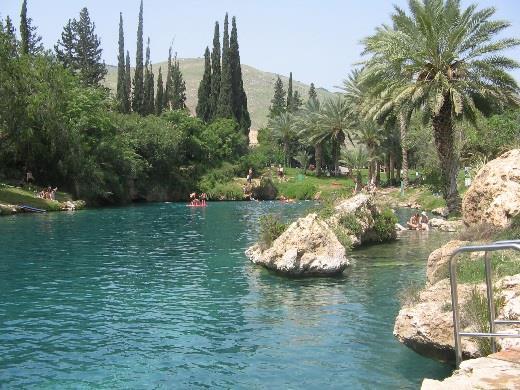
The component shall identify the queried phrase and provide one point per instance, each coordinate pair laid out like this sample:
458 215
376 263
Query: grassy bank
27 196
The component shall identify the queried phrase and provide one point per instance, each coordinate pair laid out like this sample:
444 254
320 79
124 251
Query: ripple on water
162 295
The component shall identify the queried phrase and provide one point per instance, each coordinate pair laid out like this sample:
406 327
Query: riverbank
12 197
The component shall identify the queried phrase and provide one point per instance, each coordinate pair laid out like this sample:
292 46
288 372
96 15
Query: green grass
503 264
19 196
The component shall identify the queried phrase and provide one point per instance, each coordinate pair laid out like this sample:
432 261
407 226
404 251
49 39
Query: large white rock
494 195
437 266
426 326
307 247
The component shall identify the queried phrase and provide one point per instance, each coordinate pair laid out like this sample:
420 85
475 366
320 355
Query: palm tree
370 135
308 120
443 61
335 122
283 129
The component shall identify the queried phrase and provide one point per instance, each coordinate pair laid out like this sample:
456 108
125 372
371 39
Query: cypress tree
159 99
65 49
151 92
168 89
178 87
204 93
147 80
138 96
290 94
215 73
128 84
10 31
224 108
121 79
312 92
238 94
278 103
30 40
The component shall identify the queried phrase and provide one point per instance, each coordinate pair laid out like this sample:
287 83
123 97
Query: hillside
258 85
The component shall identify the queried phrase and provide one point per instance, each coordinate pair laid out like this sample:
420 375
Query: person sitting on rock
413 223
424 222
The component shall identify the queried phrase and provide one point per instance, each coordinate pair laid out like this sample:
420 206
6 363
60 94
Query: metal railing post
455 309
490 300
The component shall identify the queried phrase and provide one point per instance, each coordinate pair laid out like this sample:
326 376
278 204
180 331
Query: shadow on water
162 295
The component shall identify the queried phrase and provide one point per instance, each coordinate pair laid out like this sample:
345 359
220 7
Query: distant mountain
258 85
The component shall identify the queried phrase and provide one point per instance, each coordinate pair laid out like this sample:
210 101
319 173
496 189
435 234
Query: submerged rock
446 226
494 195
307 247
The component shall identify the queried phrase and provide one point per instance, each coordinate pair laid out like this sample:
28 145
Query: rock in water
307 247
494 196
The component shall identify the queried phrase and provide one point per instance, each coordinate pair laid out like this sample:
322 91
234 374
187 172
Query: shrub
297 190
350 222
512 232
271 227
384 225
475 314
479 232
410 294
343 238
217 176
266 190
226 191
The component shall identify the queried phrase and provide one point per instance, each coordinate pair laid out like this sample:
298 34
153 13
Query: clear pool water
162 296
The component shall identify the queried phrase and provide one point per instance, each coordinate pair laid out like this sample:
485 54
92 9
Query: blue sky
317 40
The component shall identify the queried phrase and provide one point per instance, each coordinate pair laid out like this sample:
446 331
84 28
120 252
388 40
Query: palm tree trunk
391 162
404 148
444 137
378 173
318 156
286 153
387 167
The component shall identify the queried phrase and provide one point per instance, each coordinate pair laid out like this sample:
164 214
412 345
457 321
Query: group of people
419 222
47 193
195 201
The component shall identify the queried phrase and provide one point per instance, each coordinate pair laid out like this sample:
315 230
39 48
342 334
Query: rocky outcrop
426 325
307 247
446 226
494 195
437 266
356 218
7 209
498 371
442 211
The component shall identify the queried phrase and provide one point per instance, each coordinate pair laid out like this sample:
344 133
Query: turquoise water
161 296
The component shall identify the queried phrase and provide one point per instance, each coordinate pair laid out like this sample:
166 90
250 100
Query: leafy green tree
128 84
66 48
121 77
215 72
223 141
312 92
239 97
9 34
30 40
204 93
225 99
309 124
447 72
159 99
278 102
138 96
178 94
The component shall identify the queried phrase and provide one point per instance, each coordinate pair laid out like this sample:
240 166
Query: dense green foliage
204 92
30 40
384 225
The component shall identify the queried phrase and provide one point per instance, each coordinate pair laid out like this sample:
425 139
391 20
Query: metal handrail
496 246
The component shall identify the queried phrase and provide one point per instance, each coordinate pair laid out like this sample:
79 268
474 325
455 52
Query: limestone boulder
437 266
307 247
494 195
426 325
446 226
442 211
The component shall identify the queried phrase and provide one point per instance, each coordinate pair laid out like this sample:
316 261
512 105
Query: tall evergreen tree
224 107
178 98
66 47
312 92
290 94
204 93
80 49
138 96
121 80
159 99
278 103
30 40
215 72
147 81
10 31
238 94
128 84
167 104
151 92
